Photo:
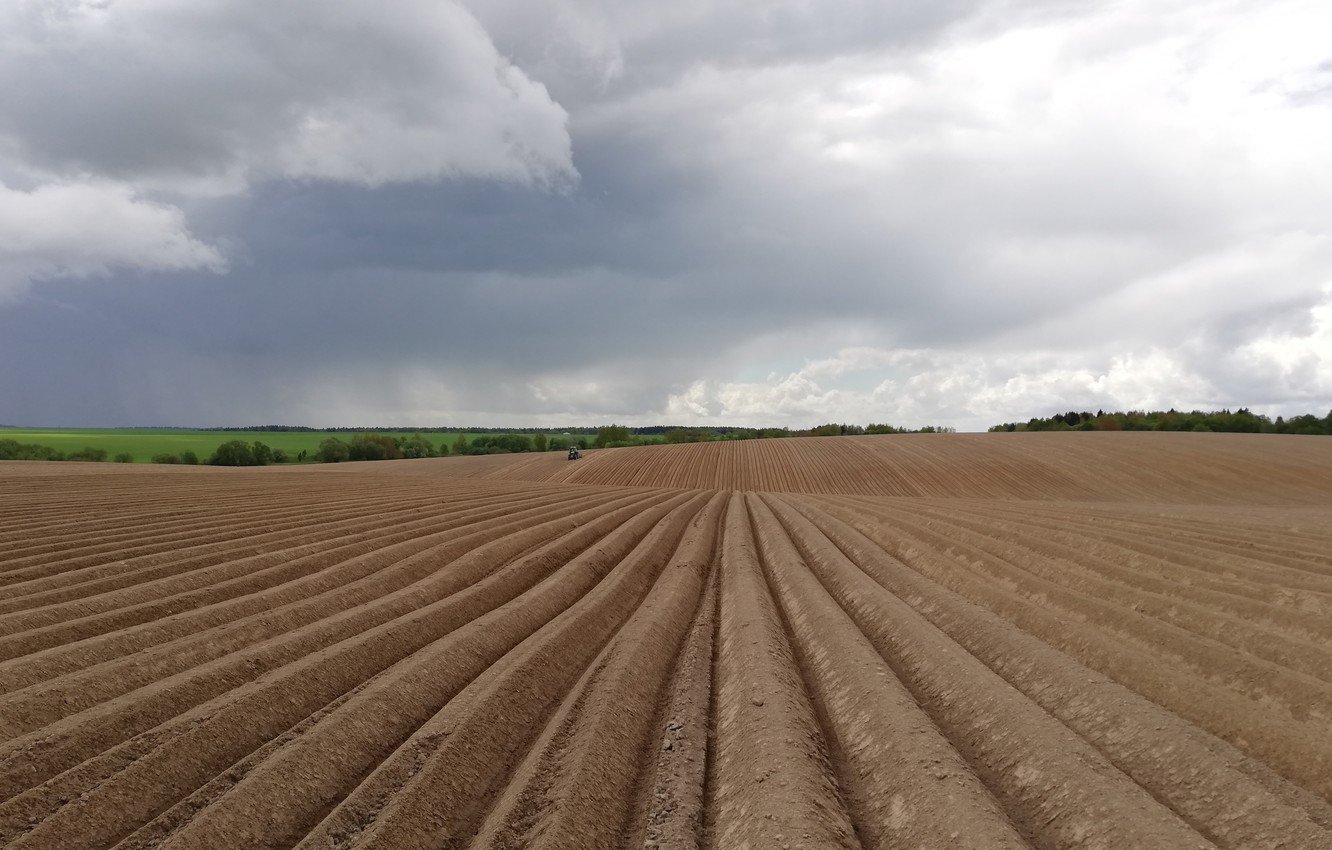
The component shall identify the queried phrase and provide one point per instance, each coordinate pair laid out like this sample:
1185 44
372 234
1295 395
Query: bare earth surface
1007 640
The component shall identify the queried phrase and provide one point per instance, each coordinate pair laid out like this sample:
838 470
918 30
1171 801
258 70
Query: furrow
1234 800
906 783
1295 750
451 760
1301 697
590 802
772 782
203 742
397 579
307 576
1058 789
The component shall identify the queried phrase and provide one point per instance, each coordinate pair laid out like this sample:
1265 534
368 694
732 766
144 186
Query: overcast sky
229 212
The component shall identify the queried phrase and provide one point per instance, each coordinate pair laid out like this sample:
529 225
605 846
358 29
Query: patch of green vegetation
143 444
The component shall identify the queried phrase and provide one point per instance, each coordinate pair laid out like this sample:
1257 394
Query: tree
460 445
491 444
882 428
263 455
686 435
14 450
233 453
612 434
333 450
539 442
188 456
374 447
123 457
415 446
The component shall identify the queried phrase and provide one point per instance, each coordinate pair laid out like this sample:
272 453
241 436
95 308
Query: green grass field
143 443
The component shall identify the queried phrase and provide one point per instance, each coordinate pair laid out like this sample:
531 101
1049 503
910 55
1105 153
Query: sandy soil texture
975 641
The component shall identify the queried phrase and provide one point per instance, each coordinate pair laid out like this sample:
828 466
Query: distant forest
1242 421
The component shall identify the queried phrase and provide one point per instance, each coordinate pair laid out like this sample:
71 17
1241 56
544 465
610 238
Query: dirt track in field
803 643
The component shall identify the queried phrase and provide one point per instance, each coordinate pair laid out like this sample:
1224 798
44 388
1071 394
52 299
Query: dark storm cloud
771 212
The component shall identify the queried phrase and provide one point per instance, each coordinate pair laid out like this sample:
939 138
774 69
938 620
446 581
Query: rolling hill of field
1151 466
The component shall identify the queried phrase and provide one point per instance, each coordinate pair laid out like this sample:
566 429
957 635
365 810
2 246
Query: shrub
882 428
234 453
490 444
612 434
415 446
189 457
166 458
14 450
88 453
374 447
686 435
333 450
124 457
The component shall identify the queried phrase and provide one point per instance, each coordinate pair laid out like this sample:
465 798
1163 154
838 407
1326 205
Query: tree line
1242 421
14 450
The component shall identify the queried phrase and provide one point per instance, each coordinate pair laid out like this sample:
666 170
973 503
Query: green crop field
143 443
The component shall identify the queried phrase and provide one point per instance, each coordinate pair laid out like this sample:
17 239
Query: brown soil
1000 640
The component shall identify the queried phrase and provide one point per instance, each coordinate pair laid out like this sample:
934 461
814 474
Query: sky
774 213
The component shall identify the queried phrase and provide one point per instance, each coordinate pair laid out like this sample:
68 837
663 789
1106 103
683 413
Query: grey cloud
584 49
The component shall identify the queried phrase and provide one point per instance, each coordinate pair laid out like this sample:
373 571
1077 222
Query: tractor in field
574 454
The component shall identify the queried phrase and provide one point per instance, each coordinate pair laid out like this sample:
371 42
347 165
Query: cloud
1280 371
966 390
85 230
126 111
212 96
958 213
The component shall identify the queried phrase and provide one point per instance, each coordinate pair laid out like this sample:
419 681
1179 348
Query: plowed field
975 641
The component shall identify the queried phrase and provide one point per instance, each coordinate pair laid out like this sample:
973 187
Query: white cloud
1290 367
112 109
974 390
88 229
